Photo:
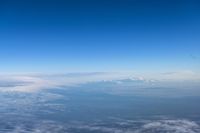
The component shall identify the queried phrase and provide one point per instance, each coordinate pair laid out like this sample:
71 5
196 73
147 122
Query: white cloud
32 83
170 126
181 75
31 125
22 83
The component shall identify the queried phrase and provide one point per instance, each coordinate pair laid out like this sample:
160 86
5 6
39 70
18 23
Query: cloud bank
37 82
143 126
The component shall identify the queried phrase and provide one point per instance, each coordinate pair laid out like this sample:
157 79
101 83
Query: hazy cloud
170 126
35 82
157 126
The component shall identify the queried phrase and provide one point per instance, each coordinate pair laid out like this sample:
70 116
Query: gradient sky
99 35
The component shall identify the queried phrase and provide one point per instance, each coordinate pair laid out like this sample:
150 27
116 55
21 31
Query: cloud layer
112 83
125 126
170 126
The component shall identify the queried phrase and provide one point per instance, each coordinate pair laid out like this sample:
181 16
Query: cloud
181 75
31 83
37 82
146 126
34 125
170 126
29 103
22 83
100 129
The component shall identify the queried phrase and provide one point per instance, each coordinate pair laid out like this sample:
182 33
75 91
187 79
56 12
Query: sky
50 36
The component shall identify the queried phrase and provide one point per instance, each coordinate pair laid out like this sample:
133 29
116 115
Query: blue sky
99 35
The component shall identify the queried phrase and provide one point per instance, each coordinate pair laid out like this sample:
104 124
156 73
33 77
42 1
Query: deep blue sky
99 35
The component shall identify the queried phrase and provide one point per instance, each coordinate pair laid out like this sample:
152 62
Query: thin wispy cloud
113 83
146 126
